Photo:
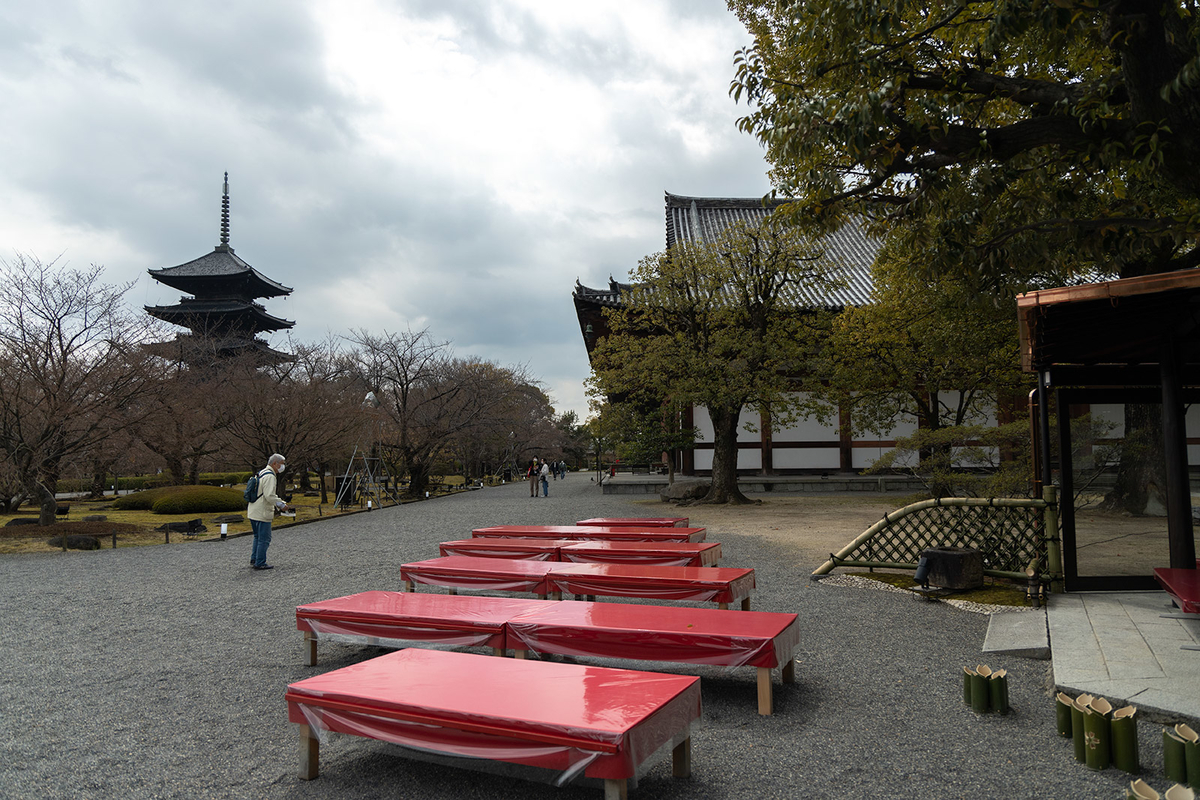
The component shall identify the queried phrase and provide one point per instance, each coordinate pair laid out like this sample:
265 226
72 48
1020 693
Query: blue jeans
545 487
262 540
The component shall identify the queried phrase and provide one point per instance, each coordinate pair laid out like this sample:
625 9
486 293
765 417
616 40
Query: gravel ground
160 672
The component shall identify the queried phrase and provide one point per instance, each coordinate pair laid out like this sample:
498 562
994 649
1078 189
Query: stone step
1018 633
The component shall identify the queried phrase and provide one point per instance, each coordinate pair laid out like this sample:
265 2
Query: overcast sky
453 165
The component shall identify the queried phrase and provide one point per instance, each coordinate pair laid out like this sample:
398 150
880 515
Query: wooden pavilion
1128 341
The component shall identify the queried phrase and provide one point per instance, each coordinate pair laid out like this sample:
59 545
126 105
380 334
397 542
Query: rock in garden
21 521
685 490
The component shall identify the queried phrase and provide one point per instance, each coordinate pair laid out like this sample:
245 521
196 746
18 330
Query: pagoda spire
224 245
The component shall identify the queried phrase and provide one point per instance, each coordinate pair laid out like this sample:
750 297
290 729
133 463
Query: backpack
251 493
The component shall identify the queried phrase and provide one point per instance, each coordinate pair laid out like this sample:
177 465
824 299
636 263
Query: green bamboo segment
1174 760
1097 737
1140 790
1062 713
967 673
1125 754
980 696
998 689
1077 706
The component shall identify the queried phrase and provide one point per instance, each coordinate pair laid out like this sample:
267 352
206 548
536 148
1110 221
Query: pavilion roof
219 267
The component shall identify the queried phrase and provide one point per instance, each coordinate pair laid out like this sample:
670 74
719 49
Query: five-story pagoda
222 318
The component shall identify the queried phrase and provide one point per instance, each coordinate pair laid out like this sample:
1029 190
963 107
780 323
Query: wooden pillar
1179 499
310 649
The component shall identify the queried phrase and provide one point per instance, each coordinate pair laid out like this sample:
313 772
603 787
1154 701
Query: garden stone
76 542
21 521
685 490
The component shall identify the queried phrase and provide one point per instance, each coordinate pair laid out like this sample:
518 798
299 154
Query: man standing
545 474
261 510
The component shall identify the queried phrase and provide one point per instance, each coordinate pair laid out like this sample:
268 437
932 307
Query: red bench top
718 584
660 633
1183 585
626 714
678 554
493 574
657 522
466 612
591 533
527 549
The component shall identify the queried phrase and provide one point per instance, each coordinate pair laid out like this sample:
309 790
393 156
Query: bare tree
431 398
71 367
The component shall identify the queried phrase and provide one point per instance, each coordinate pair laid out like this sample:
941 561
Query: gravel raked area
160 672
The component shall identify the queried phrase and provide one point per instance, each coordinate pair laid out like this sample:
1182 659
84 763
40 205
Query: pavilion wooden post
1180 539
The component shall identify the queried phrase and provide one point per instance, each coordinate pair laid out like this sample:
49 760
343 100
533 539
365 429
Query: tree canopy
715 325
1023 137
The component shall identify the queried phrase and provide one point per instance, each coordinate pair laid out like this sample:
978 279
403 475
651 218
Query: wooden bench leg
745 604
723 606
616 789
408 586
764 691
452 590
789 670
310 753
310 649
519 655
681 759
499 651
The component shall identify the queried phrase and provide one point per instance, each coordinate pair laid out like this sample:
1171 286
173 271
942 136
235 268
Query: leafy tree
71 368
715 325
1013 141
930 352
1030 135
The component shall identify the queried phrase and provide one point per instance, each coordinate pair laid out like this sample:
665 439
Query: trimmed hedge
152 481
183 500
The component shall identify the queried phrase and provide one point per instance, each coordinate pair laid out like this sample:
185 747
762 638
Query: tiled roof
849 250
249 314
702 219
222 262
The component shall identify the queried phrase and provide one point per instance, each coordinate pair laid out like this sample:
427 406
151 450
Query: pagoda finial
224 245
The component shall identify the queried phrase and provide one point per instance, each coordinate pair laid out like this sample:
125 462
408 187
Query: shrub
198 500
141 501
183 500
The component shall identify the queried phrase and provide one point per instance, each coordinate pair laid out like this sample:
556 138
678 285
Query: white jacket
263 509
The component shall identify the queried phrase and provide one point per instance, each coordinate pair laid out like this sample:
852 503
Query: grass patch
991 593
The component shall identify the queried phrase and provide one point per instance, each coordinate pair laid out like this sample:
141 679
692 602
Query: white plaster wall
805 429
805 458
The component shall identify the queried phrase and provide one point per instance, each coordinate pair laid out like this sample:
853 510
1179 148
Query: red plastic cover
716 584
524 549
591 533
496 574
447 619
499 708
658 633
637 522
667 554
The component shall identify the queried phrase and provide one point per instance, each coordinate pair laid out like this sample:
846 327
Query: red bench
1183 585
396 619
663 633
490 574
637 522
568 718
672 554
721 585
590 533
666 554
526 549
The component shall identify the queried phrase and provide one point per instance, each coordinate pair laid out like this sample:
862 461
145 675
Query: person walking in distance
262 508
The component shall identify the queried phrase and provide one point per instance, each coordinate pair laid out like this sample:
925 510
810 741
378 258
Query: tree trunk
322 468
418 479
42 491
1141 477
724 488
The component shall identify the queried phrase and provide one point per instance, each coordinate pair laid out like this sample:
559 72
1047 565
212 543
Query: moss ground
992 592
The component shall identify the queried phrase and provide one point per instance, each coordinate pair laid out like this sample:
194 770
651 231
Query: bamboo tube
1077 706
1140 790
1174 763
1062 713
998 690
1097 737
1125 754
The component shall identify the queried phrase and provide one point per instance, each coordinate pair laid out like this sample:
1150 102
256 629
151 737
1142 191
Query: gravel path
160 672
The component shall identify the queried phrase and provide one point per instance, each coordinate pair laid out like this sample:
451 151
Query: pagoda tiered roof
220 268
